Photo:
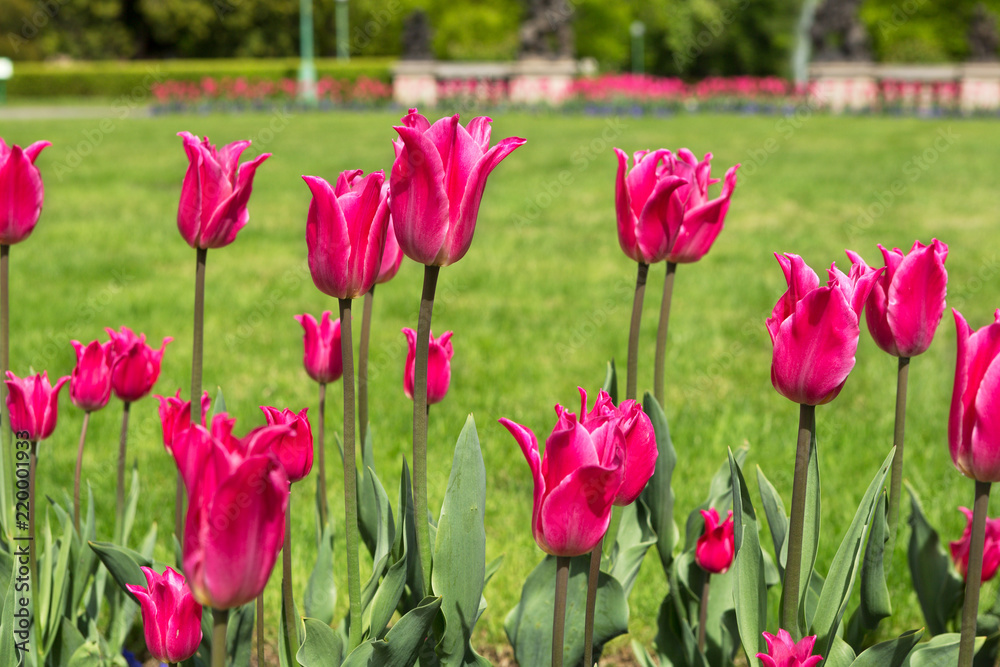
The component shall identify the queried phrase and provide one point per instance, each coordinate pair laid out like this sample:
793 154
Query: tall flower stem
420 423
260 629
974 576
559 610
220 621
633 332
33 546
76 474
661 333
703 612
593 579
350 478
896 481
286 579
196 365
7 453
796 522
120 489
321 502
366 325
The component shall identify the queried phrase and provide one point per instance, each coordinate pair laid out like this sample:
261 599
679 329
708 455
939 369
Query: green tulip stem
661 333
350 478
7 473
33 547
120 489
633 332
974 576
703 613
896 480
76 474
559 610
420 423
260 629
366 325
593 579
286 580
321 501
220 623
196 366
796 522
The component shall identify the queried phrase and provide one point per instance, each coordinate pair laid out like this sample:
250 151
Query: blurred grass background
538 306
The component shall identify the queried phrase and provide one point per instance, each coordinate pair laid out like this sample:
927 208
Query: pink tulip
991 547
136 364
294 449
392 256
575 483
323 357
906 304
703 217
235 523
175 416
437 183
640 440
215 192
21 191
90 384
439 354
171 618
974 422
346 231
717 545
33 404
782 651
815 330
648 205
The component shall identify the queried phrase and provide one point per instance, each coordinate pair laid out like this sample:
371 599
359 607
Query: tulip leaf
892 653
384 538
840 655
219 406
320 597
777 519
642 656
88 655
70 640
131 503
386 598
875 604
60 578
675 642
372 516
635 536
658 494
288 647
9 632
459 570
239 635
85 563
720 496
529 624
844 569
414 578
749 588
403 641
321 647
123 564
940 651
940 590
810 535
611 382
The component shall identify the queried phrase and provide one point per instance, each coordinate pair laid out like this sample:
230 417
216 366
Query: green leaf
85 563
60 579
123 564
374 517
940 651
288 647
940 590
239 635
320 598
529 624
386 598
459 571
658 494
11 634
875 604
219 406
492 567
675 641
383 540
635 536
88 655
611 382
841 654
777 519
642 656
843 570
131 503
810 534
414 578
401 643
322 646
892 653
749 589
70 641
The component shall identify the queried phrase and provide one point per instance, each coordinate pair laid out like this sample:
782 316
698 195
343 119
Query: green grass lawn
538 306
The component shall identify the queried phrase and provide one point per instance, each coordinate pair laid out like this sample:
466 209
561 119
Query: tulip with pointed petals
323 358
717 545
437 183
392 255
814 330
175 415
991 547
295 448
346 231
215 192
648 205
136 364
703 217
575 482
171 618
974 421
906 304
783 651
90 383
33 404
439 354
21 191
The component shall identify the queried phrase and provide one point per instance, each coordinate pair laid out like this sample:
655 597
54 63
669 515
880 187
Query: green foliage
920 30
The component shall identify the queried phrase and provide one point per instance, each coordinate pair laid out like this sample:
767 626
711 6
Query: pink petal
419 200
568 448
985 444
623 208
702 224
660 220
916 301
528 443
576 513
328 240
21 197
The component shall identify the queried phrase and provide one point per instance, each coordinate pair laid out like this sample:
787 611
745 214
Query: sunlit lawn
538 306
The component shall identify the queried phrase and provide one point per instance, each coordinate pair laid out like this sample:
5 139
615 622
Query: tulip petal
660 219
528 443
985 453
21 197
479 129
575 514
419 201
327 239
34 149
623 209
916 301
231 215
642 179
702 224
568 448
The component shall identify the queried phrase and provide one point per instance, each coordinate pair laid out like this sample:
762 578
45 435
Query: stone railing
527 81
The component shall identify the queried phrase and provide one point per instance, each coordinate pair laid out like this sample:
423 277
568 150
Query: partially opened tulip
175 416
439 357
171 618
648 205
703 217
90 383
136 364
783 651
973 425
322 356
716 546
991 548
295 448
33 405
21 191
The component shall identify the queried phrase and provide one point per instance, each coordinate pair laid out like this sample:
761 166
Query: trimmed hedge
136 78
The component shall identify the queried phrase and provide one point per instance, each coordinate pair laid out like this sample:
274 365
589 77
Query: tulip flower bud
21 191
991 548
136 364
974 421
171 618
439 356
90 383
783 651
33 404
294 449
717 545
322 358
